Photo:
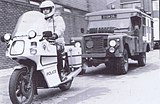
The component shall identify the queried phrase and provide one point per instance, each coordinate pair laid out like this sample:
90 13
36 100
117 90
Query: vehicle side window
144 26
136 25
152 27
136 21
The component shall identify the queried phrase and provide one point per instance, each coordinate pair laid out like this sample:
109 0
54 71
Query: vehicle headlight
89 44
33 51
112 43
77 44
111 49
31 34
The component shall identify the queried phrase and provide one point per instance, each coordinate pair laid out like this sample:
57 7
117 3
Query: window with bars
35 2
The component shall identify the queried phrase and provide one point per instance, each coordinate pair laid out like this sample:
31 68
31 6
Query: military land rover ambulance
116 35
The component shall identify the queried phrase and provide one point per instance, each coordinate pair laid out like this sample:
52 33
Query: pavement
6 72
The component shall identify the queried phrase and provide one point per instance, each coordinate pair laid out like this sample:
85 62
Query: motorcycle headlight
89 44
77 44
112 43
33 51
31 34
6 37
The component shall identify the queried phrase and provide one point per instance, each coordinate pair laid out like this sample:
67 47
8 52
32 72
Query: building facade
155 9
145 5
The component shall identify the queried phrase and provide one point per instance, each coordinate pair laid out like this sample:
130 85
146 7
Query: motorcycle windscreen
30 21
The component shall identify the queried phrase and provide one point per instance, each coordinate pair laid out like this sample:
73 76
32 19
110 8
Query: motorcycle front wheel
21 91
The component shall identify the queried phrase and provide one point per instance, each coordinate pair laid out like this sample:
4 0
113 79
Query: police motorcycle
29 45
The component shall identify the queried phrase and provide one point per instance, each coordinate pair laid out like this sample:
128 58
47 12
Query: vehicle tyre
142 59
20 91
110 65
65 86
122 64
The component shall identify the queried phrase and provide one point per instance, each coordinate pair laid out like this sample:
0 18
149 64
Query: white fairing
32 20
74 54
43 53
51 76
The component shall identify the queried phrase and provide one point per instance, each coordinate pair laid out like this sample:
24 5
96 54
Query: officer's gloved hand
54 37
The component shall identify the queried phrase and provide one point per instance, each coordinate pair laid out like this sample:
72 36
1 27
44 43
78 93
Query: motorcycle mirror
31 34
6 37
47 34
2 39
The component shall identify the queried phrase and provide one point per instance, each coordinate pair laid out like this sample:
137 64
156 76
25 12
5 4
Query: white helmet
50 5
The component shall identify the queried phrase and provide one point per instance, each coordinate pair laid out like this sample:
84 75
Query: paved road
141 85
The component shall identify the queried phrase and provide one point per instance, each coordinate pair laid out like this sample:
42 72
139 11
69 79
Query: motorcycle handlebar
51 41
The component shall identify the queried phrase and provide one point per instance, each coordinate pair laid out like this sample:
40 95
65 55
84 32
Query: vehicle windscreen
118 23
109 25
32 20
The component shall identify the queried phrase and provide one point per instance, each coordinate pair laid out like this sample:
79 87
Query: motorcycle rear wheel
20 91
65 86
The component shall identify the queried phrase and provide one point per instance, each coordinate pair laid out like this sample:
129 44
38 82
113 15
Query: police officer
56 24
136 30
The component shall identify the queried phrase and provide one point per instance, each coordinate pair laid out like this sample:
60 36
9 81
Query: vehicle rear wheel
20 90
142 59
122 64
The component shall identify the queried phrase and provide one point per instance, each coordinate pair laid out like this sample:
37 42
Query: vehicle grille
99 44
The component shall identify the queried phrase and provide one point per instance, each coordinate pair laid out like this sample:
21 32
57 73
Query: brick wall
96 5
144 4
79 4
74 23
10 11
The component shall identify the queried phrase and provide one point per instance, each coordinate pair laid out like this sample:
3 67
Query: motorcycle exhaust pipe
72 75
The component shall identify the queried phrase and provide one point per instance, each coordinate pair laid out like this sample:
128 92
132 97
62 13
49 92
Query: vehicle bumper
102 55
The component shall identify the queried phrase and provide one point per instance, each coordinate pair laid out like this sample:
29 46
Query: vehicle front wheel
122 64
110 65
